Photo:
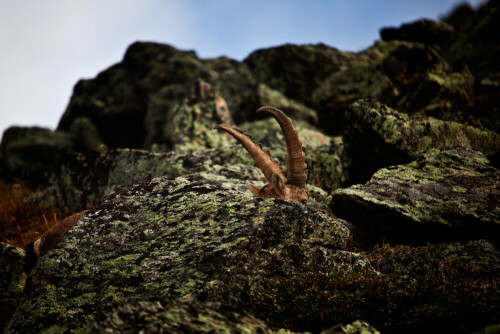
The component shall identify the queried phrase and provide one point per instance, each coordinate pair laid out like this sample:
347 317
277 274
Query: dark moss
439 288
173 316
12 280
170 238
29 152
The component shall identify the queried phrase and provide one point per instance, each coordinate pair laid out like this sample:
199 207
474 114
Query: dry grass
21 220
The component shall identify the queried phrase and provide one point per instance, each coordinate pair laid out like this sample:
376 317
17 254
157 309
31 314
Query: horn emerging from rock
291 187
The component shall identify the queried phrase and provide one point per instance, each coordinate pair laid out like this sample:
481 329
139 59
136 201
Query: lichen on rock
379 136
174 316
443 195
167 238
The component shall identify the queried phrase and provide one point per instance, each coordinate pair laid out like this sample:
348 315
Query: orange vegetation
22 220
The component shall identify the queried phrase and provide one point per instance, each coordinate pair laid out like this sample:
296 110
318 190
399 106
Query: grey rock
444 195
170 238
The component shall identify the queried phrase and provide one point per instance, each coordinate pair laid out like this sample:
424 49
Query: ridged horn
262 158
296 161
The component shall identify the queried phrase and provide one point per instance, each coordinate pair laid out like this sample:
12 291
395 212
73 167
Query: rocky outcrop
137 96
422 31
434 288
32 151
174 241
201 153
466 36
296 71
378 136
174 316
171 238
410 77
443 195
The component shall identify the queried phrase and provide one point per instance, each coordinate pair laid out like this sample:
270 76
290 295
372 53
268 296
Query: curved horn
262 158
296 162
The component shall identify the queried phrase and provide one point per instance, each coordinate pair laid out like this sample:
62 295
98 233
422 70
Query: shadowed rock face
171 238
465 36
443 195
411 77
423 31
12 281
456 282
31 151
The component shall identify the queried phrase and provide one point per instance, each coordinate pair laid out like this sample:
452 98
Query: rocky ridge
173 240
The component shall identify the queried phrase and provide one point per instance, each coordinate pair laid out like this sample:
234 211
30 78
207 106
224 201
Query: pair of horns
296 164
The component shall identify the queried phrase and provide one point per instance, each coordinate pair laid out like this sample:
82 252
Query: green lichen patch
379 136
444 195
82 179
165 238
294 109
174 316
191 127
327 166
438 288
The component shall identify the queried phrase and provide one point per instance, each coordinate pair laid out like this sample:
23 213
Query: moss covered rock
12 280
82 179
443 195
192 316
475 43
295 70
411 77
174 316
30 151
424 31
191 127
435 288
379 136
168 238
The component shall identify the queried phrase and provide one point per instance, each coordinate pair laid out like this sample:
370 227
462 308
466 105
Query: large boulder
443 195
423 31
465 36
200 153
437 288
295 70
116 100
172 238
475 40
30 151
378 136
174 316
476 44
411 77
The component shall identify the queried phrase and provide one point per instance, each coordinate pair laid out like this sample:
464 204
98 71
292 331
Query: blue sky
48 45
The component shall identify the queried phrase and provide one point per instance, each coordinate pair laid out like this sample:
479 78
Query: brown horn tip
296 162
261 157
